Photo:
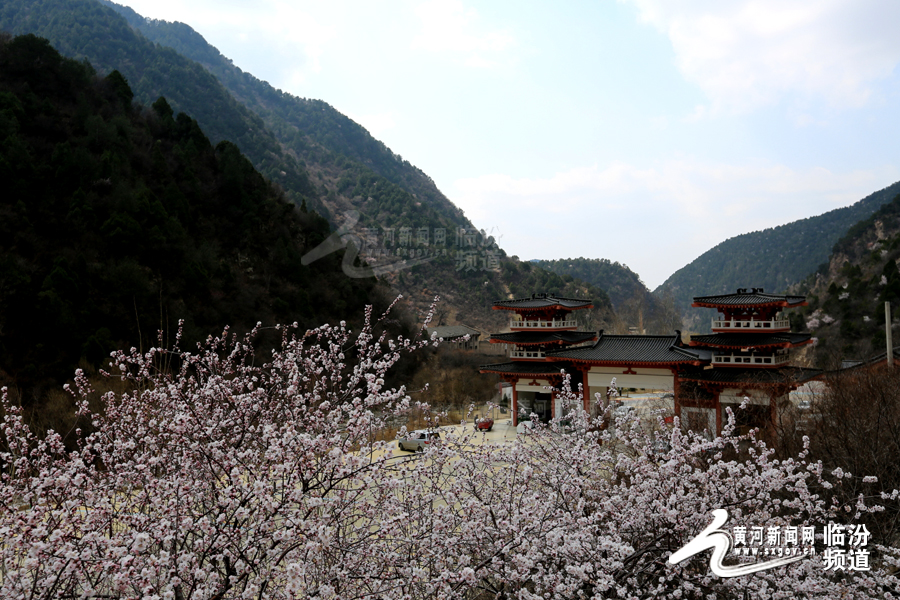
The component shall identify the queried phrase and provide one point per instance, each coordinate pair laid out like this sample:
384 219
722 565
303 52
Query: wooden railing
751 360
752 325
526 354
541 324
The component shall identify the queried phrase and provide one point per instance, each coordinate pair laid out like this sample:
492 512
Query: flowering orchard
219 478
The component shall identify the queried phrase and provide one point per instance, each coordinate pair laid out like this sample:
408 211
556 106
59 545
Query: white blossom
229 479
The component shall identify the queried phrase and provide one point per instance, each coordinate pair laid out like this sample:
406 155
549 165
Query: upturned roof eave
544 343
625 363
756 346
801 375
772 304
539 308
783 345
513 371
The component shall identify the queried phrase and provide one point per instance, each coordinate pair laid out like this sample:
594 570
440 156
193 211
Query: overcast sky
642 131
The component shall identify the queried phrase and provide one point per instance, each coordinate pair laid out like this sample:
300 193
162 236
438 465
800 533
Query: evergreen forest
119 219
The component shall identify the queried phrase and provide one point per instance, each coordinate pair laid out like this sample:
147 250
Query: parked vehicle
524 426
417 441
660 447
484 424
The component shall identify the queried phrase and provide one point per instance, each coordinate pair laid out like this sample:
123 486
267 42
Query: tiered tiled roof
872 360
750 340
543 301
522 368
649 350
753 298
544 337
451 332
751 377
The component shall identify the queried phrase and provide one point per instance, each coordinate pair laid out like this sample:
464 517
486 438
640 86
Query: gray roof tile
752 377
752 297
543 301
659 349
449 332
750 340
544 337
523 368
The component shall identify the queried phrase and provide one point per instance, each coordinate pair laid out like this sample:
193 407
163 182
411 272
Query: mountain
392 213
633 303
846 297
772 259
119 219
313 131
86 30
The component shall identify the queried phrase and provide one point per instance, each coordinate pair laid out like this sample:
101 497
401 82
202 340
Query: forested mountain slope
772 259
119 219
634 305
84 29
846 300
311 129
418 241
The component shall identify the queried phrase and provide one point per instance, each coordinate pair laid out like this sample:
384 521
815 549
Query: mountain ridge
468 270
636 307
119 220
846 299
756 259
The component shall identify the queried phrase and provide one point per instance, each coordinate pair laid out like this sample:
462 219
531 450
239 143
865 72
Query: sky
640 131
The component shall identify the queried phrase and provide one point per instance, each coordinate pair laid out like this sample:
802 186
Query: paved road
502 431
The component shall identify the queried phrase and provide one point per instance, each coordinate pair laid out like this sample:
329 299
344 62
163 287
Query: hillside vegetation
846 299
393 191
633 303
316 155
119 219
772 259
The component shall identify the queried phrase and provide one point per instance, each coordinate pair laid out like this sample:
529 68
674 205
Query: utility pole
887 334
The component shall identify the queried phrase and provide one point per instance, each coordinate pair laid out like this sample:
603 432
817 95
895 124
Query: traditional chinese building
747 355
652 362
751 346
537 326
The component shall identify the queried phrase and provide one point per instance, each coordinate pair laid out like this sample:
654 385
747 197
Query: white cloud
751 53
448 27
654 218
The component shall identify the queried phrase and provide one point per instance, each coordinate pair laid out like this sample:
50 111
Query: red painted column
515 404
676 389
718 416
586 392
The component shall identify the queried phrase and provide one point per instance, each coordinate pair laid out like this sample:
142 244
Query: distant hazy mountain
772 259
635 306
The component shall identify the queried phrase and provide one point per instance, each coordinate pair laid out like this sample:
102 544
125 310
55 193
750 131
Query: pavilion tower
540 323
751 345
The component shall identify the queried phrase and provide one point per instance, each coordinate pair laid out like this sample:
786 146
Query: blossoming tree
216 477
